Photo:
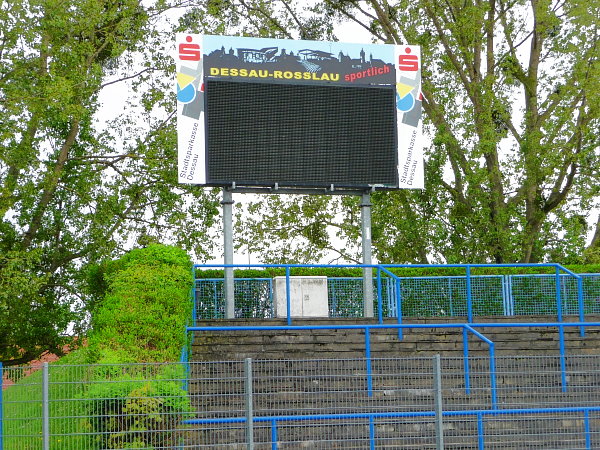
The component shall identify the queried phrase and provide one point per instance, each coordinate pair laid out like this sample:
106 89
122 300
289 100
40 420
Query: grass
97 405
22 404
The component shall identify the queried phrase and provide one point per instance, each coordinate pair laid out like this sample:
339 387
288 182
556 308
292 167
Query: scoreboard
265 112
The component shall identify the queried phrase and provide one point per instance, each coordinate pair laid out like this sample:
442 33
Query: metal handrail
367 331
467 329
478 413
385 268
468 267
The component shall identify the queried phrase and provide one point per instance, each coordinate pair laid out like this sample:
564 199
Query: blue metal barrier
395 296
367 329
288 268
465 327
469 294
478 413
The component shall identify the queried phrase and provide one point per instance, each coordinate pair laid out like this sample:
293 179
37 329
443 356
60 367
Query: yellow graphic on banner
403 89
183 80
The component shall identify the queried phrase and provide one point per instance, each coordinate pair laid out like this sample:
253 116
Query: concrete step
324 372
341 343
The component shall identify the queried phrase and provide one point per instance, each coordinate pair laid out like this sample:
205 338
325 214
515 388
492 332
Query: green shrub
145 307
137 408
142 305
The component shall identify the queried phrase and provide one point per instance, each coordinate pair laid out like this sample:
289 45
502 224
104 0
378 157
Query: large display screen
263 112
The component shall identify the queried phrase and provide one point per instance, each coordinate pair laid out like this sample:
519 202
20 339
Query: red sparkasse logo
408 62
189 51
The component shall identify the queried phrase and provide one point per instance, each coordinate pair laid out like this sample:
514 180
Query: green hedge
141 308
403 272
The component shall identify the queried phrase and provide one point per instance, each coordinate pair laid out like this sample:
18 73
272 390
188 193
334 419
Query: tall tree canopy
511 102
511 98
76 186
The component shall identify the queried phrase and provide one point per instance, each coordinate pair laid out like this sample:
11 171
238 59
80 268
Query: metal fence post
580 305
368 361
586 425
469 295
249 404
273 434
437 388
563 362
399 308
466 361
493 386
288 295
371 433
480 432
559 308
45 408
379 297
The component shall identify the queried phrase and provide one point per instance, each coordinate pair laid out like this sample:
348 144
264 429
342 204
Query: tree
511 109
76 187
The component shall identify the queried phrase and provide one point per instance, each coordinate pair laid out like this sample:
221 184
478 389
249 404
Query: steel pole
228 252
249 405
365 213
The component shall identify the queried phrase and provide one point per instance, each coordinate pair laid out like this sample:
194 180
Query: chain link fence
317 403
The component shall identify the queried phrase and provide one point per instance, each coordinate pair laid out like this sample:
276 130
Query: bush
141 310
131 411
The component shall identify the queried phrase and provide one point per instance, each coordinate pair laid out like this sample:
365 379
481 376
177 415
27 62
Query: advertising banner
258 60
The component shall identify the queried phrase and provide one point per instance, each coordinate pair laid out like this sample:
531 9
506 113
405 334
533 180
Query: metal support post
45 408
228 252
469 296
273 434
249 404
559 308
466 361
580 304
437 387
368 361
480 432
371 433
365 213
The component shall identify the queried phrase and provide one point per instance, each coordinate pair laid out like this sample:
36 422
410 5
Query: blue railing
400 297
395 301
371 416
467 328
469 291
367 333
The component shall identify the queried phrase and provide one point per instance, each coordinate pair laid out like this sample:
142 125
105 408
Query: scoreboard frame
261 113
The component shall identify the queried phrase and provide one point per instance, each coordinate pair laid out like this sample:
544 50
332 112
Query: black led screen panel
260 134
